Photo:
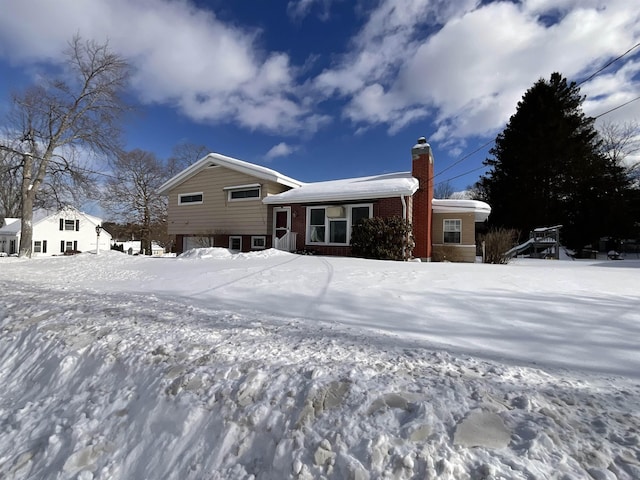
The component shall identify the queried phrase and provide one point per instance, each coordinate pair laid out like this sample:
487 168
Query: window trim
258 237
70 223
231 239
327 223
241 188
445 231
190 194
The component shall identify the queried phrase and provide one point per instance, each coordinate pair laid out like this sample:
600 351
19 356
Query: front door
281 221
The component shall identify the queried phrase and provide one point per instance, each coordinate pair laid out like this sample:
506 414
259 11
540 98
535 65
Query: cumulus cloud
465 65
280 150
462 65
184 56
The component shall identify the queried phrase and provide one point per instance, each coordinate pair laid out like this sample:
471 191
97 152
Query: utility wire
619 106
608 64
464 158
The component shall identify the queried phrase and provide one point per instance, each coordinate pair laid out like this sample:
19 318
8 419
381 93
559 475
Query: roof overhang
350 189
481 210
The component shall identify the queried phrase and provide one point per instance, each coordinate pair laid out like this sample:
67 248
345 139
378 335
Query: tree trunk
28 194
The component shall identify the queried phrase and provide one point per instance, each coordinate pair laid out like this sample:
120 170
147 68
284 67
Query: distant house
55 233
133 247
222 201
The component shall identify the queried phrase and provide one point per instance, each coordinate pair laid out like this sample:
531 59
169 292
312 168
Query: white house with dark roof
56 232
222 201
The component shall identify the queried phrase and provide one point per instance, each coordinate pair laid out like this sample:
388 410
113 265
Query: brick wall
422 169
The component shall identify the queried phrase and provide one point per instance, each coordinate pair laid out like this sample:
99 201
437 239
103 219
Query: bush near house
382 239
496 242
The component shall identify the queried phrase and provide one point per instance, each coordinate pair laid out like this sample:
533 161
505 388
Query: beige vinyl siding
216 214
465 251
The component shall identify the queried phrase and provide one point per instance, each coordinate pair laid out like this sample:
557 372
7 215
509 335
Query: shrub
382 239
497 242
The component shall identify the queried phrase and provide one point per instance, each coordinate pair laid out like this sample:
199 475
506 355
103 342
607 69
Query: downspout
404 217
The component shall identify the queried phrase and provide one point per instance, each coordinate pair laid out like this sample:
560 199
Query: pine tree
547 169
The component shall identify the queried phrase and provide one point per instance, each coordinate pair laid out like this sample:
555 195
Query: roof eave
228 162
270 200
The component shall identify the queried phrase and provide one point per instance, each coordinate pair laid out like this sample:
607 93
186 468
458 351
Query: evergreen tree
547 169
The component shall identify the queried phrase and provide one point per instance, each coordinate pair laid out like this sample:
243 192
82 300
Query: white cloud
465 66
280 150
299 9
183 56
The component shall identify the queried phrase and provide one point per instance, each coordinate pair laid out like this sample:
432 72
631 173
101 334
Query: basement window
235 244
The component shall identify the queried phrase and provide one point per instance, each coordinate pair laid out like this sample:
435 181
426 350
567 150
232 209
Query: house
55 233
222 201
134 247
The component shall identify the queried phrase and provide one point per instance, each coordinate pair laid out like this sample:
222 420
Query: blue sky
326 89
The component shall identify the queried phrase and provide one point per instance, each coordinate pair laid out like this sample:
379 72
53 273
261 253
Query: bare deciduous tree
183 155
9 184
131 193
621 144
443 190
58 118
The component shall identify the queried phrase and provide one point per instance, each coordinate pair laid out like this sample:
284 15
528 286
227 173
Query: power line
619 106
464 158
462 174
608 64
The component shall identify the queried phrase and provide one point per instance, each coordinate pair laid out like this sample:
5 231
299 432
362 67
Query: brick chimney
422 169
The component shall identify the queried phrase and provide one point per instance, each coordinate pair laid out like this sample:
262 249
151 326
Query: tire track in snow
317 300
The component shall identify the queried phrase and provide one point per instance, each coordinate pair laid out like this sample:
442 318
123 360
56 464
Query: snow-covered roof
214 159
13 226
361 188
10 226
480 209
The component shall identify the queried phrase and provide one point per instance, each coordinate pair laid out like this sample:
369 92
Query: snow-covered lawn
276 366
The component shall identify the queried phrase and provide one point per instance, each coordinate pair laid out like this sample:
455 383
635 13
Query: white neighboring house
133 247
55 233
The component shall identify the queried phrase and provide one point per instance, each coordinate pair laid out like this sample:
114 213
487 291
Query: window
235 243
359 213
37 247
258 243
69 246
452 231
190 198
239 194
332 224
71 225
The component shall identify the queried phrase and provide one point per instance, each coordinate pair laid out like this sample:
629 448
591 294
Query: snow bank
115 366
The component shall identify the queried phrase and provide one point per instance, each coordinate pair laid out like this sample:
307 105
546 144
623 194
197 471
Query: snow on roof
481 209
13 226
10 226
361 188
214 159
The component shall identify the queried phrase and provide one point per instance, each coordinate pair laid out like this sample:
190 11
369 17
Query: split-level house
226 202
54 233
